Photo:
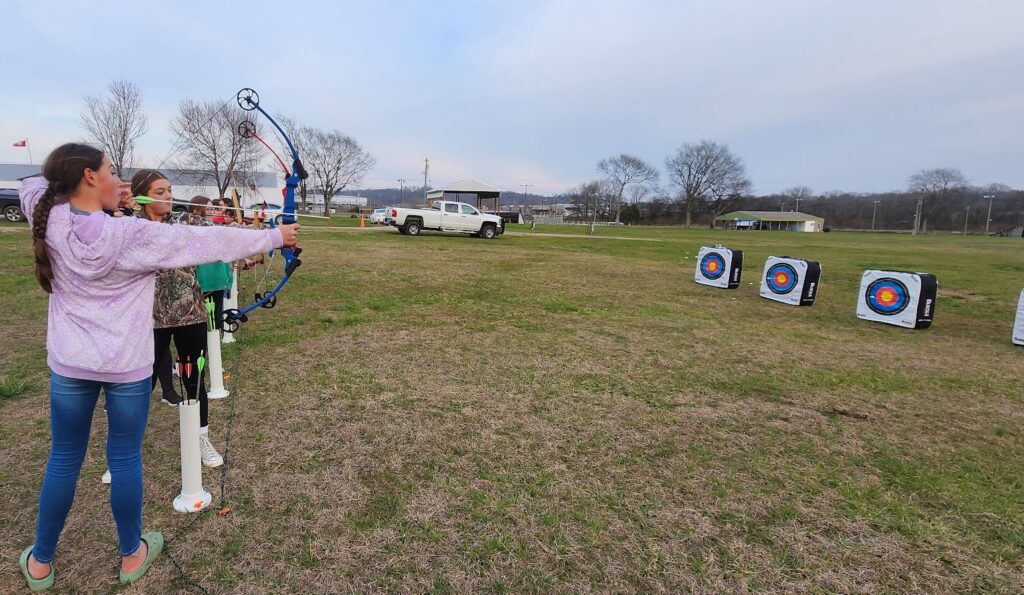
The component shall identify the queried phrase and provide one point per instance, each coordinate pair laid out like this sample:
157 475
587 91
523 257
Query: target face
782 278
712 266
887 296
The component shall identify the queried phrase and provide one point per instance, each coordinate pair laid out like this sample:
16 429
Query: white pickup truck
446 216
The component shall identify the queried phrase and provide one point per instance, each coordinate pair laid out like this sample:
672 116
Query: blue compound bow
249 100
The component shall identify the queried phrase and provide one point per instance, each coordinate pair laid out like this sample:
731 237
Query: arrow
145 200
211 311
201 364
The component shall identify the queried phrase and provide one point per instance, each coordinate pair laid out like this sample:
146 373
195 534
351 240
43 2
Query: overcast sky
851 95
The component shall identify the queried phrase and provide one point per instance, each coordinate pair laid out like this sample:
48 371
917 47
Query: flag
21 143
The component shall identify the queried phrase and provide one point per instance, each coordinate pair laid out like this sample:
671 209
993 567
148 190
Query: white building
341 201
184 185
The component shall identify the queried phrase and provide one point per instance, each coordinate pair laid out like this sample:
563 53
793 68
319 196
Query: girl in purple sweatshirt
100 274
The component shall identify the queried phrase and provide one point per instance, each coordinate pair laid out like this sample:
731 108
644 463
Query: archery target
1018 326
898 298
712 266
790 280
719 266
887 296
782 278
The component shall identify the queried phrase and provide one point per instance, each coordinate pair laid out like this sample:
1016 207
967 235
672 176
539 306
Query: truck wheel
13 214
412 228
488 232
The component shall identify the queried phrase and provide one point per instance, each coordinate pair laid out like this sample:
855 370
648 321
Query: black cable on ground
182 574
189 583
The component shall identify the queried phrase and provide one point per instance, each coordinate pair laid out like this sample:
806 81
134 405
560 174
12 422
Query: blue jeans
72 402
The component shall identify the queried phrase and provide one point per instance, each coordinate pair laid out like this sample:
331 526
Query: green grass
550 411
13 386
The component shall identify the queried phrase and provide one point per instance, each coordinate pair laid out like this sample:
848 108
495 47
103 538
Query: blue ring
894 285
712 256
794 278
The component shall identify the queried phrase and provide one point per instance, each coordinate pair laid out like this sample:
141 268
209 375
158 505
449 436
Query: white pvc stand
192 497
213 363
231 303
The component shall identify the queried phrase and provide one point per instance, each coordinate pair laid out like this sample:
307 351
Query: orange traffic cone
362 222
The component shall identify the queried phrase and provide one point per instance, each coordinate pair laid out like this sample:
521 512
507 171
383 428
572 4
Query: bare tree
116 122
626 170
797 193
933 187
585 199
637 192
724 196
998 187
334 161
212 150
707 173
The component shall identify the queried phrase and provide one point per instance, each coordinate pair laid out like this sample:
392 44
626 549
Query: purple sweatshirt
100 321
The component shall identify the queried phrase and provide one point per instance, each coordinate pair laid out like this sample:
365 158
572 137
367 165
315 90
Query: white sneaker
106 476
211 458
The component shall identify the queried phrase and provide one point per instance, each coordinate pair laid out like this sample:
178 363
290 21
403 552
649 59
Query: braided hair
63 170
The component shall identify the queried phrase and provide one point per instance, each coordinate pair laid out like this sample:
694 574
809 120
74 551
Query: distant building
772 221
346 200
473 192
1011 232
11 174
266 186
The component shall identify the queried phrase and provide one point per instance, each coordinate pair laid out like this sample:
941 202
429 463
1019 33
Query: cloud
828 93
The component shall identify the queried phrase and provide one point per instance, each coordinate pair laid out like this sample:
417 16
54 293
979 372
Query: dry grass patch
561 414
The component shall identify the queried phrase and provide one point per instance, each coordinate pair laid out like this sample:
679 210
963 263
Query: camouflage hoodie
179 300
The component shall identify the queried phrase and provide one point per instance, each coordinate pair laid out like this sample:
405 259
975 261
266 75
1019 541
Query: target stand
898 298
790 280
718 266
1018 325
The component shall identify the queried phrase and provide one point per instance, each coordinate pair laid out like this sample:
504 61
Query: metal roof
470 187
768 216
18 171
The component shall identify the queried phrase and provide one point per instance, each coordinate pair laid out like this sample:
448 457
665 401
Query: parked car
378 216
446 216
269 212
10 205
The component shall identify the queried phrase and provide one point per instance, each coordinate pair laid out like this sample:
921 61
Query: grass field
555 412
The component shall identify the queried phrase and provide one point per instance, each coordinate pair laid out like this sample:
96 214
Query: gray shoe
211 458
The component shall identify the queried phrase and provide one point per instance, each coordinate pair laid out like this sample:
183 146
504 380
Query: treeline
706 180
847 210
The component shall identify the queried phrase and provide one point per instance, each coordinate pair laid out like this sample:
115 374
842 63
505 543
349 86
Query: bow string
249 101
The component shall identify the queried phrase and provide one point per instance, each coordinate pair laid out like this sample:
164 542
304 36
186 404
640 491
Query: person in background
178 310
214 277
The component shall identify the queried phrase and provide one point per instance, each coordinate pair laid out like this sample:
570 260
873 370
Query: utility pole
873 212
426 170
526 191
917 215
967 217
797 210
401 191
988 219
